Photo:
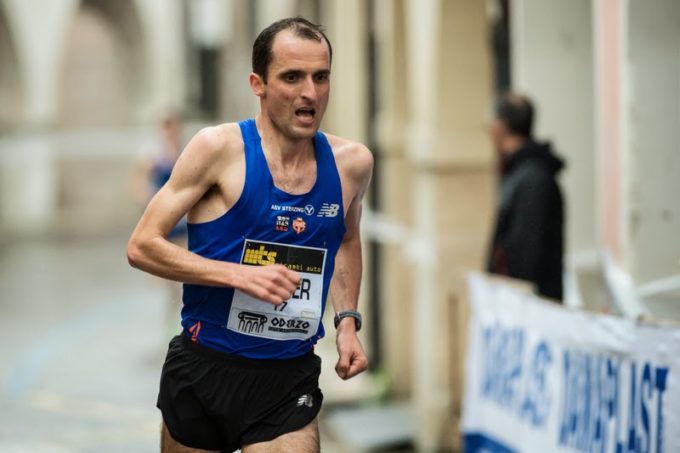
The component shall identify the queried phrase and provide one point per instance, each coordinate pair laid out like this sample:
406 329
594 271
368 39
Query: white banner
544 378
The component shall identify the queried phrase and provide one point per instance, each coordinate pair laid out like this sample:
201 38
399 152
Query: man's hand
274 283
351 357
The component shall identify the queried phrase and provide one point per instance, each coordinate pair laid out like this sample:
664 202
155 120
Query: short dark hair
301 27
517 113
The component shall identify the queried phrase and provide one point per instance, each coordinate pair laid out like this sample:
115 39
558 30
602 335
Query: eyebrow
298 72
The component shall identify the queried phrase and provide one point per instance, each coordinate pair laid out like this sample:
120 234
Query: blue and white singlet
267 226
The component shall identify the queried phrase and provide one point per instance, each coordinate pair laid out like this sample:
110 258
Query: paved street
83 343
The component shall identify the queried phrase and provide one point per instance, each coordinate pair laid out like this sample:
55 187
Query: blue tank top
266 226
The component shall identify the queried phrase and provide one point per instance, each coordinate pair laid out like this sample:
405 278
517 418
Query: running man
274 208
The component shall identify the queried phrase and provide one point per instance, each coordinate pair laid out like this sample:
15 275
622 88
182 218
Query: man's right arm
196 171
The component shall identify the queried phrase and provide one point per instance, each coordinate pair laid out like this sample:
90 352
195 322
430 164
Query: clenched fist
274 283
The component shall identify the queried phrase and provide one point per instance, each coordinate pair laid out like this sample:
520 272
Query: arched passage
10 80
103 77
102 92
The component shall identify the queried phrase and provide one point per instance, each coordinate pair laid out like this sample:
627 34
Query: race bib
298 317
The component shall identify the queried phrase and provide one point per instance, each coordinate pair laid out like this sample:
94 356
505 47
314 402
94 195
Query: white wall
652 78
552 61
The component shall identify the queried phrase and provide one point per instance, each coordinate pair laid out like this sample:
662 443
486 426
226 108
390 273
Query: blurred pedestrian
152 170
528 241
274 207
155 163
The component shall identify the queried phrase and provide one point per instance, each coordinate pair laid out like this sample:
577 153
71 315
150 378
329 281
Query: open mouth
305 113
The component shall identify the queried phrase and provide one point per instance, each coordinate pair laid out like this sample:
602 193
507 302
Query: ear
257 84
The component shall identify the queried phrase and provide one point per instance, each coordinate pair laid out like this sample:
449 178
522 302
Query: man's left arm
344 288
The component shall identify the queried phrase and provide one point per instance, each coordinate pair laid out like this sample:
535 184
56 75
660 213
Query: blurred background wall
83 82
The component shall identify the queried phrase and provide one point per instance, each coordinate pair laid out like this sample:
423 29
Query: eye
290 77
322 77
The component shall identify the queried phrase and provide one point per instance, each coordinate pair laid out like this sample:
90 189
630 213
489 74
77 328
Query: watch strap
339 316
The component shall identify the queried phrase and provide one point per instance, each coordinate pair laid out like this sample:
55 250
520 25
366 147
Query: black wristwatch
339 316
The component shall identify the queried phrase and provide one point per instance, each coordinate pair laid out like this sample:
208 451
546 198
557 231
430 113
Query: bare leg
170 445
305 440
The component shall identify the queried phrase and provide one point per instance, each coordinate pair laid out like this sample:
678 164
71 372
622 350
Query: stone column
269 11
165 60
237 100
608 102
391 177
27 165
452 185
347 114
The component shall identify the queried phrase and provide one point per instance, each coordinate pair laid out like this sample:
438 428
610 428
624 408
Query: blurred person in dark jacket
528 241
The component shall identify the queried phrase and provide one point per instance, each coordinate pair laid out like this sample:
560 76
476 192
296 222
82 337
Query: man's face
298 84
498 131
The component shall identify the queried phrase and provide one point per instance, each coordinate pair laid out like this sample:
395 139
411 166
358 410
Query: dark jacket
528 242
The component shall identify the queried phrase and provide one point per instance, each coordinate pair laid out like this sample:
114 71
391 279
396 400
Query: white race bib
298 317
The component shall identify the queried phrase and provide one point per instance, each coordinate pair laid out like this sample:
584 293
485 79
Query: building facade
82 83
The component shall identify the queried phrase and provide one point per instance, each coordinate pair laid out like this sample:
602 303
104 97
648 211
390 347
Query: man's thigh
305 440
170 445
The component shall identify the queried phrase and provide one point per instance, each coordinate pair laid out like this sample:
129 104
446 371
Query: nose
309 88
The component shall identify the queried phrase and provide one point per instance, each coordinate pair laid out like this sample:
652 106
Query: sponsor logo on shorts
329 210
305 400
251 322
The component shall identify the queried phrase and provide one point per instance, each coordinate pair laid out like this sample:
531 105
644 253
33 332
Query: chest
294 181
314 216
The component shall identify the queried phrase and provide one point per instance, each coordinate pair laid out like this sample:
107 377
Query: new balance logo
329 210
305 400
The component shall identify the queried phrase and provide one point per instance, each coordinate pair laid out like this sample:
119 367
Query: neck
512 144
279 147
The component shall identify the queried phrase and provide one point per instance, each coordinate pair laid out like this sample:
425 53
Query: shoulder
220 138
352 158
209 152
214 143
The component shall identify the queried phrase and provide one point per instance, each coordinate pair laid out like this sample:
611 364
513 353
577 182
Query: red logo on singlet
299 225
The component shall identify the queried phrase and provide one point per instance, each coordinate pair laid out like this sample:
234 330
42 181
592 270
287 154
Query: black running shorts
214 401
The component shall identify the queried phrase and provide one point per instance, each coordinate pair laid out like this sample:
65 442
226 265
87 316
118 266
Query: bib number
296 318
